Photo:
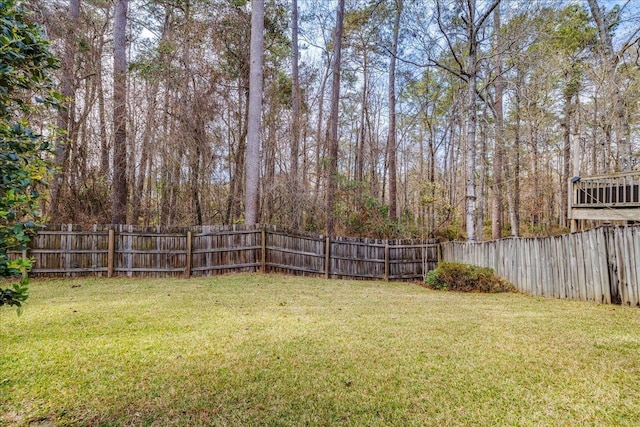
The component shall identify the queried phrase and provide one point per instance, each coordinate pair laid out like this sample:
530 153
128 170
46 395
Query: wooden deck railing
615 190
613 197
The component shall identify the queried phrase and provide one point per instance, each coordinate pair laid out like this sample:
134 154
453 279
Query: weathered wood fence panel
411 259
600 265
294 253
357 258
66 250
220 250
72 250
150 253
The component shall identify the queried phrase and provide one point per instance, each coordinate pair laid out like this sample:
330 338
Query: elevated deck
612 197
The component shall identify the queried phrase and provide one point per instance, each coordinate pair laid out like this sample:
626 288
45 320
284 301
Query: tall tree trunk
611 59
192 122
566 156
320 145
498 186
175 179
102 120
332 140
535 162
391 139
237 173
150 190
66 116
120 187
268 182
142 177
165 167
171 158
451 161
363 117
431 211
469 70
296 212
470 150
511 163
252 162
196 167
514 209
483 175
146 158
374 145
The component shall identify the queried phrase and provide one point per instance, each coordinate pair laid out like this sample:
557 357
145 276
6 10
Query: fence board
129 250
217 250
293 253
602 257
621 266
634 274
69 251
601 265
635 238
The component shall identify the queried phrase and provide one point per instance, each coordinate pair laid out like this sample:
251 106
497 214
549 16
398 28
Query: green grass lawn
274 350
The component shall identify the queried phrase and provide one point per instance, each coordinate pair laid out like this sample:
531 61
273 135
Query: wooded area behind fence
600 265
109 250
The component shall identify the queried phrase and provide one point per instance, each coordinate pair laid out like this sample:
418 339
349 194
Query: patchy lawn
274 350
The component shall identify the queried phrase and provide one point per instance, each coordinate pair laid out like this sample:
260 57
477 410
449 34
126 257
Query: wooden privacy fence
600 265
109 250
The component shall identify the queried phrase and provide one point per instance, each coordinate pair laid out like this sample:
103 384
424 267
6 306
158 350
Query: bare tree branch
446 37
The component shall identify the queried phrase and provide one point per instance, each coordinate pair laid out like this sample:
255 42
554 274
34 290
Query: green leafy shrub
458 277
26 88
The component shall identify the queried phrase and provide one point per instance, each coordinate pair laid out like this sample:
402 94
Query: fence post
263 243
94 247
65 243
327 257
110 252
386 260
187 269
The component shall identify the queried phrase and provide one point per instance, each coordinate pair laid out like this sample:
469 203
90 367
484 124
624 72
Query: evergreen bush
458 277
